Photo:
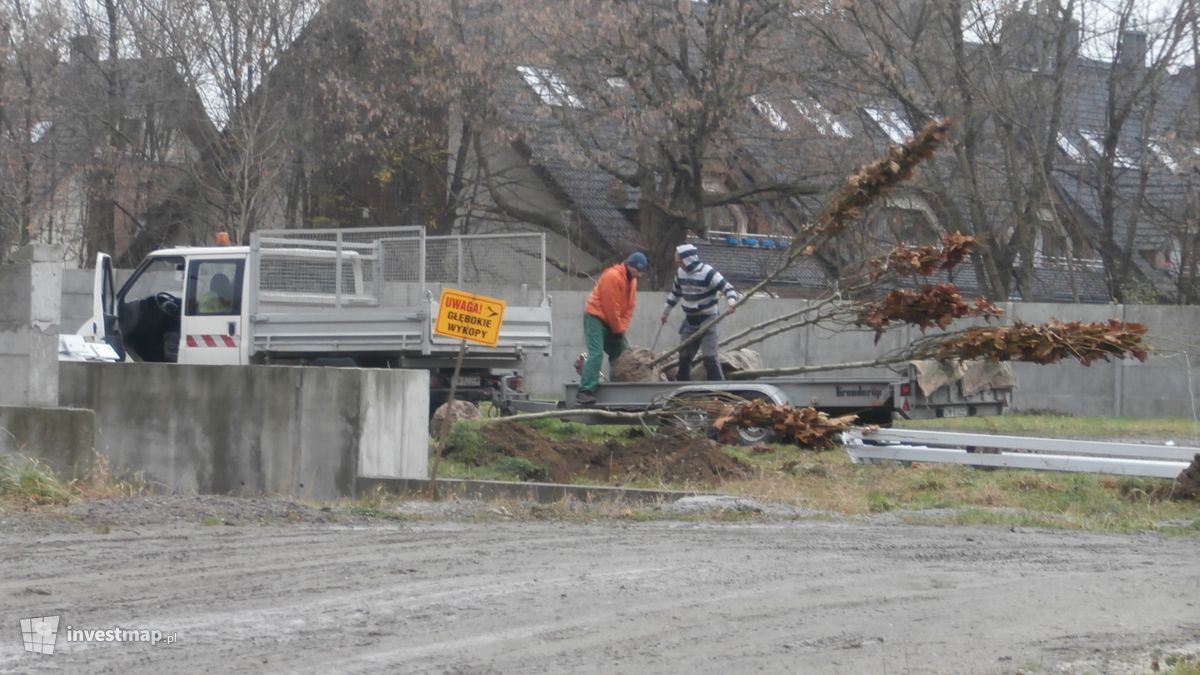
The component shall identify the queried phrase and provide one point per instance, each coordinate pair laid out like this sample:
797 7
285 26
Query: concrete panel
1167 384
63 438
1066 387
251 429
76 299
15 390
394 425
32 287
15 310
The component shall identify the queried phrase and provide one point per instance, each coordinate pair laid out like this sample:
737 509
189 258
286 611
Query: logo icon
39 634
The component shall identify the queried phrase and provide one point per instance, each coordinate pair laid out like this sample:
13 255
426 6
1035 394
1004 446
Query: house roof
745 265
594 194
152 92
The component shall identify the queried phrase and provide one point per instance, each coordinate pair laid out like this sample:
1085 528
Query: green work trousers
600 341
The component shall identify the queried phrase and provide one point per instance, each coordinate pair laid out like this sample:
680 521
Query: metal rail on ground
1019 452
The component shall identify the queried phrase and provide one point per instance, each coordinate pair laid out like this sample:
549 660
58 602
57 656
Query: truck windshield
161 275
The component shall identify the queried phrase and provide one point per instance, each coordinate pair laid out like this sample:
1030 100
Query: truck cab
181 305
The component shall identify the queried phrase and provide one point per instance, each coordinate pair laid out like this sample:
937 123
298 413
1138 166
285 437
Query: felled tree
931 305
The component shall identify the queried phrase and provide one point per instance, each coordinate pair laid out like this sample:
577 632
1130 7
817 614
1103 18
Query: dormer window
1069 148
825 123
768 111
1163 156
549 87
1096 143
895 128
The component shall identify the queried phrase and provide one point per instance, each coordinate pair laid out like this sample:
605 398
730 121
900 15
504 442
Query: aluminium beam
1045 445
1109 465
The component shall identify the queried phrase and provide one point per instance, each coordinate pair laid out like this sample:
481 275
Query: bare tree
1137 69
29 35
666 98
227 50
999 72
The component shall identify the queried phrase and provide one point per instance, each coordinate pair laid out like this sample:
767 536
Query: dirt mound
634 366
665 458
456 411
1187 485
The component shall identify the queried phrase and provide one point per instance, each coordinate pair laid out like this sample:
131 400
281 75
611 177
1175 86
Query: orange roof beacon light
222 239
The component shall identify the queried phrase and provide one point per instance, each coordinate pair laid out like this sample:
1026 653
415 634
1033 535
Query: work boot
585 398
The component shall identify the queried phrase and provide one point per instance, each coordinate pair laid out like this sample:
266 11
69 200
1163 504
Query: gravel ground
274 586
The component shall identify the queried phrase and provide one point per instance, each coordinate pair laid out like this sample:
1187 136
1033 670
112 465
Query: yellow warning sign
469 317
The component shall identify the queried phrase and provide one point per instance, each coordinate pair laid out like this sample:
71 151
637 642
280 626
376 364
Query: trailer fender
747 390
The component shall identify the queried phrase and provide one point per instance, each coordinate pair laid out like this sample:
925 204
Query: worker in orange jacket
606 318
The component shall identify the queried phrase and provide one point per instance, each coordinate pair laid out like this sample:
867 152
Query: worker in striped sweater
699 286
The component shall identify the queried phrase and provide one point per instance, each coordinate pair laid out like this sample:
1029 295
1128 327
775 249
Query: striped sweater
698 285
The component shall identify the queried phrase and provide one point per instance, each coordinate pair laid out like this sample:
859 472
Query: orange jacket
613 298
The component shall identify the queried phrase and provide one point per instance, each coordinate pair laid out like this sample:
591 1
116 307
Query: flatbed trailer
875 400
872 399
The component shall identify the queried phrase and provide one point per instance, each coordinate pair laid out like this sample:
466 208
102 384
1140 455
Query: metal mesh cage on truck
392 266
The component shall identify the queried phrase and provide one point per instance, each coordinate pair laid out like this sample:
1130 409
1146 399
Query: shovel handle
656 336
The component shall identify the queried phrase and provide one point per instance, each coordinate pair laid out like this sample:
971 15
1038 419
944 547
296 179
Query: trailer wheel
696 420
693 420
755 435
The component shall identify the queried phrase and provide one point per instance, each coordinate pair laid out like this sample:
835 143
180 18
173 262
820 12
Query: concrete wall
304 432
1161 387
31 286
63 438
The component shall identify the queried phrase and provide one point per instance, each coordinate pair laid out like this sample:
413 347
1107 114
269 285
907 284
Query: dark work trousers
707 345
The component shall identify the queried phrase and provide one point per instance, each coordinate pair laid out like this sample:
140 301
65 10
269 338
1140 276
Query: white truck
352 297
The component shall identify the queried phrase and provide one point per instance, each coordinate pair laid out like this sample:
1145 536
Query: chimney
1022 40
1131 50
1030 40
84 50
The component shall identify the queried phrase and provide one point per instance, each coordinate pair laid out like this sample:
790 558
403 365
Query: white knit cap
687 251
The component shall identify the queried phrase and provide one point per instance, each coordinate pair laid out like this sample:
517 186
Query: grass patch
26 482
505 468
828 481
561 430
470 454
1174 663
378 503
1182 430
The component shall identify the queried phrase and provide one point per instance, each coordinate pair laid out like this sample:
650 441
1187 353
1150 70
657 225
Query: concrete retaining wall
303 432
30 285
63 438
1161 387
